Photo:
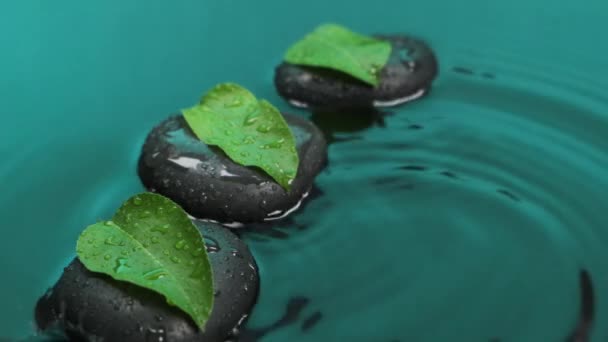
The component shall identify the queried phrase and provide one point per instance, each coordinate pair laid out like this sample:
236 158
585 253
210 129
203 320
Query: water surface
468 215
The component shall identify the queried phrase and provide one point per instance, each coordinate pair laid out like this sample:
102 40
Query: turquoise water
465 216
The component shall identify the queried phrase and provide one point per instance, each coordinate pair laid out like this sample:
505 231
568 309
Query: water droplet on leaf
180 244
264 128
164 229
111 241
155 274
121 265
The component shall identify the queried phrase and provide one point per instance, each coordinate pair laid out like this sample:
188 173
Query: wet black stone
87 305
407 76
209 185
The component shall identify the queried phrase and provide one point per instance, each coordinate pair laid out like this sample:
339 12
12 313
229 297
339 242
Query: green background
82 82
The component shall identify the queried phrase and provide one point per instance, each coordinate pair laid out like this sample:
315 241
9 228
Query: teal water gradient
389 253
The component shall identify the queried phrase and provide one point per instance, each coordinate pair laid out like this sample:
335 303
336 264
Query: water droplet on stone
211 245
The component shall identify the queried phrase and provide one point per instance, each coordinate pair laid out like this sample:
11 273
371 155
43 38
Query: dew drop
276 144
180 244
137 200
166 252
248 140
179 235
264 128
108 223
235 253
121 265
107 257
155 274
111 241
164 229
155 239
211 245
250 121
175 260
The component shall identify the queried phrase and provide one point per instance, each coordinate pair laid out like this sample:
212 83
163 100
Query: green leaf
152 243
335 47
250 131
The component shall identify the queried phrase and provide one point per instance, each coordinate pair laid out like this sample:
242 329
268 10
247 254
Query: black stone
407 76
209 185
88 306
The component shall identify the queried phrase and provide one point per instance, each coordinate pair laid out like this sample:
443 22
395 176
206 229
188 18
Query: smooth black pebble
408 75
90 306
209 185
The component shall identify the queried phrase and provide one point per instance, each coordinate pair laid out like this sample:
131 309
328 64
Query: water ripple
475 224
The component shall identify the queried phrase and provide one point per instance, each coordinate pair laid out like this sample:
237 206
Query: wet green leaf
335 47
152 243
250 131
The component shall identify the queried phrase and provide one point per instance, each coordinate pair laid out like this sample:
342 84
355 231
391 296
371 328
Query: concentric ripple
474 214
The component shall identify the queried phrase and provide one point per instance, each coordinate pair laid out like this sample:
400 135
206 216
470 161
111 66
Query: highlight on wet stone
93 306
210 185
312 81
